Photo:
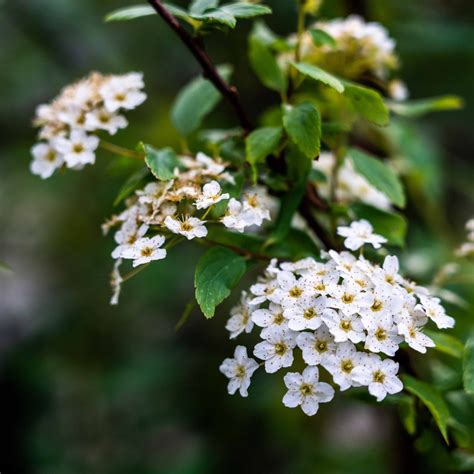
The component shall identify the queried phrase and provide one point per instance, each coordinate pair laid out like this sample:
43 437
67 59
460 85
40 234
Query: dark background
85 387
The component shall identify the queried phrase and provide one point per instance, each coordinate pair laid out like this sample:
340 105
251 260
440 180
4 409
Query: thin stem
119 150
134 272
209 70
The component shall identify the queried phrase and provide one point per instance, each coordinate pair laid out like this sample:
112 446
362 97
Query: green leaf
379 175
295 246
5 268
407 412
320 75
289 205
417 108
217 16
321 38
261 143
130 13
390 225
195 101
432 399
468 366
265 65
217 272
132 183
303 124
200 6
161 162
367 102
246 10
446 343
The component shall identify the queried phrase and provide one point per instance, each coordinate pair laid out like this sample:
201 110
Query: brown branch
305 210
209 70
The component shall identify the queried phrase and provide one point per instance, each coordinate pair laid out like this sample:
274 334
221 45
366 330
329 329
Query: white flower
344 327
235 218
342 364
316 346
116 282
45 160
410 328
433 309
277 349
211 167
397 90
263 290
211 194
389 271
102 119
127 235
239 370
289 290
266 318
380 376
145 250
386 300
240 319
360 233
306 314
121 92
74 116
255 205
349 298
190 227
306 390
382 335
78 149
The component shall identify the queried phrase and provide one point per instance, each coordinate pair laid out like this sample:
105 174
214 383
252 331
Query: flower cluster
350 185
179 208
345 314
68 123
467 248
361 49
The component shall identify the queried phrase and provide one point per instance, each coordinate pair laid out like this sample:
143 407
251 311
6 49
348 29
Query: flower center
252 200
78 148
381 334
146 251
345 325
280 348
279 318
347 366
120 97
320 287
347 299
295 292
321 346
104 118
306 389
377 306
186 226
240 371
379 376
51 156
309 313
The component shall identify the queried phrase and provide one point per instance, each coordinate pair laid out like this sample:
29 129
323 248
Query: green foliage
303 125
379 175
261 143
195 101
130 13
468 366
432 399
407 410
321 38
161 163
446 343
132 183
200 6
217 272
367 102
418 108
320 75
391 225
265 65
4 267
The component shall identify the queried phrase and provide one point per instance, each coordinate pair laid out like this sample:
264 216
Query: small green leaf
217 272
417 108
432 399
216 16
261 143
246 10
195 101
379 175
162 163
367 102
321 38
446 343
303 124
468 366
200 6
130 13
132 183
320 75
265 65
391 225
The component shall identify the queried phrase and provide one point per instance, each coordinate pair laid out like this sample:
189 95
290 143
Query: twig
306 211
209 70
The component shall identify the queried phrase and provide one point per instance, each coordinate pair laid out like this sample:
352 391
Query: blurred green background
85 387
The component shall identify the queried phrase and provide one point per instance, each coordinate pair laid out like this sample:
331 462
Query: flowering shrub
318 173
